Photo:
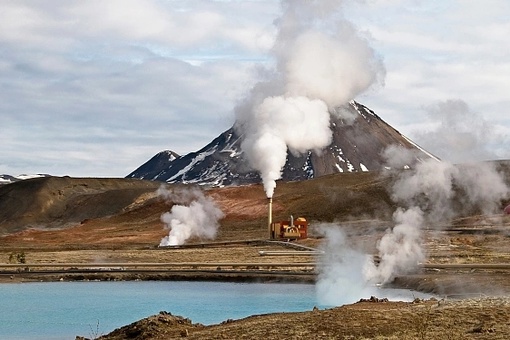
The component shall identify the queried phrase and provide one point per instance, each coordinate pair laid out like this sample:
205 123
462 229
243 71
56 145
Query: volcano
357 145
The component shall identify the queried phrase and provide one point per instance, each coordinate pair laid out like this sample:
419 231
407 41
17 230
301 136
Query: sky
96 88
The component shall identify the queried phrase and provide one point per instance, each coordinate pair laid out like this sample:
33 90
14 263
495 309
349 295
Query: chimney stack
270 217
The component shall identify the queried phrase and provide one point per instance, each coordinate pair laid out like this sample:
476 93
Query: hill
57 202
60 203
128 211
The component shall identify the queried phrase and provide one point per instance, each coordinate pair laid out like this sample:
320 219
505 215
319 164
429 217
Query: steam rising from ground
340 278
436 192
399 249
193 215
433 192
322 62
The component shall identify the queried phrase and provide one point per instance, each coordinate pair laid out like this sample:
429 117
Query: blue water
62 310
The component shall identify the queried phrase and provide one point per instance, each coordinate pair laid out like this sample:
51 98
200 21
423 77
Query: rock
482 328
374 299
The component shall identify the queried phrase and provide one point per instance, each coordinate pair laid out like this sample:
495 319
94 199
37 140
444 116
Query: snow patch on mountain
7 179
359 138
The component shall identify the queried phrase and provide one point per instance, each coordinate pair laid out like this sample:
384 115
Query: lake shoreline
476 284
308 278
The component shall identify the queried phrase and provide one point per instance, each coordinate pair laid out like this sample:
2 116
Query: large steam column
270 217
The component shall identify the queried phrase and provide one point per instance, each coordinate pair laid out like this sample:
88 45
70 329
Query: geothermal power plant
287 229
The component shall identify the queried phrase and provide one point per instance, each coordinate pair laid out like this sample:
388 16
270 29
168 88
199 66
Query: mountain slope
155 166
356 146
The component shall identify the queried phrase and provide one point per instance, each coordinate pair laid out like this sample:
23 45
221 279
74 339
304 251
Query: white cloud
439 50
122 80
179 25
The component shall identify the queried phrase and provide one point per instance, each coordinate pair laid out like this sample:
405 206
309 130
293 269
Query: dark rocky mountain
357 146
154 167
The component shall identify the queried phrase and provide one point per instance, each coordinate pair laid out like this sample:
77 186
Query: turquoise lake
63 310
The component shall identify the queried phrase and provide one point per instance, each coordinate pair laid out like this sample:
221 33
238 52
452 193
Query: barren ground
470 310
476 305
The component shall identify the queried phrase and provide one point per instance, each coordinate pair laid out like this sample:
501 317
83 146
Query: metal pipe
290 253
270 217
156 264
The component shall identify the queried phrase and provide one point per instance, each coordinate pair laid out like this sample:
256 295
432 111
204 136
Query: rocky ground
487 318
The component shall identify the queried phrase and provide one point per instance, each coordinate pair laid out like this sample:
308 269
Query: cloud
69 105
167 74
180 25
435 51
130 76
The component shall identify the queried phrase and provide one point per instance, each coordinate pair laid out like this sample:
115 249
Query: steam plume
433 192
322 62
426 194
195 216
340 278
399 249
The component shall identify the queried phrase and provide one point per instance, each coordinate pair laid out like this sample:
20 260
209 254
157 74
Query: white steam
458 134
268 136
333 68
340 278
195 216
433 192
399 249
322 62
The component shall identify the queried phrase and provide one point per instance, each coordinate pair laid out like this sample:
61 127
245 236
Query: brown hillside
99 211
67 211
55 202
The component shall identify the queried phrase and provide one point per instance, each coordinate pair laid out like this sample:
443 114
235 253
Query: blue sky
96 88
